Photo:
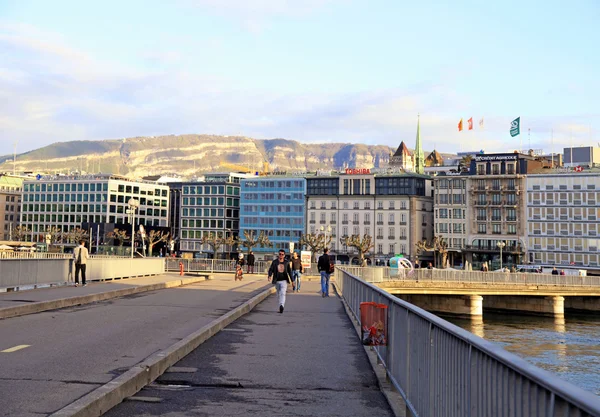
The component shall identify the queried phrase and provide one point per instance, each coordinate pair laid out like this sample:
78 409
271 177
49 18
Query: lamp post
133 206
501 245
326 231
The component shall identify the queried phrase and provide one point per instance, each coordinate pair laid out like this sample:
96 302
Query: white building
563 217
451 199
66 202
395 210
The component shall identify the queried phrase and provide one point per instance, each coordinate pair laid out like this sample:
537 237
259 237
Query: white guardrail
18 273
443 370
383 274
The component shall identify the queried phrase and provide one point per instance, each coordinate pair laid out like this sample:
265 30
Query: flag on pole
515 127
470 121
460 127
481 123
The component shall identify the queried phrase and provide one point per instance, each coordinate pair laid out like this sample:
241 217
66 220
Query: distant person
280 274
239 273
429 266
81 255
417 266
562 272
324 267
241 261
554 271
251 262
513 269
297 271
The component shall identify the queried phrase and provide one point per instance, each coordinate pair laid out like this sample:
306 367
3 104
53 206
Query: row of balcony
563 203
565 233
492 188
496 203
566 248
562 217
496 219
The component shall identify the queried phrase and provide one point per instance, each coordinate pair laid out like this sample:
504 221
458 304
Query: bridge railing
382 274
441 369
222 265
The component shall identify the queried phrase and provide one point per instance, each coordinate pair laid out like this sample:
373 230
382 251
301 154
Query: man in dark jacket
324 265
280 273
251 262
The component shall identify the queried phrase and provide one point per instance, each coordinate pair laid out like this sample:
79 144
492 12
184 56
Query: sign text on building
496 158
357 171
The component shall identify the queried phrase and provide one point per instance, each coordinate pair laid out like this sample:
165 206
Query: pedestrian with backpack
81 256
325 268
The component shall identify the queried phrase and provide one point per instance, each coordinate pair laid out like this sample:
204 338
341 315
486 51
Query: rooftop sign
357 171
484 158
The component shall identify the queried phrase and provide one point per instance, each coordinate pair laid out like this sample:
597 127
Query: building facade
210 207
563 218
497 209
11 189
66 202
274 205
395 210
451 202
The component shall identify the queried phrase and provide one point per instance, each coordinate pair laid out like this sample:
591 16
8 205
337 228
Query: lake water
569 348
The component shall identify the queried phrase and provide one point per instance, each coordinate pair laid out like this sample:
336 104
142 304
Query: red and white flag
460 126
470 121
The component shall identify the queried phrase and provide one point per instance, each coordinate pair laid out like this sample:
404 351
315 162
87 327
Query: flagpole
552 147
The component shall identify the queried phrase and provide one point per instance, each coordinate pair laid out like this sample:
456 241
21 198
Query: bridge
219 347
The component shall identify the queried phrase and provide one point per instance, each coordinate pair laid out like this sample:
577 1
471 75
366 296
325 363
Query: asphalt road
67 353
307 361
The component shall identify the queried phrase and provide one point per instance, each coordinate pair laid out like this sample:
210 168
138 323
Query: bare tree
250 240
119 235
316 243
362 245
214 241
20 233
52 235
154 237
76 235
438 246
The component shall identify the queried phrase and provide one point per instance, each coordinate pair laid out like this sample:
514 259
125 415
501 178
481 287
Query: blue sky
311 70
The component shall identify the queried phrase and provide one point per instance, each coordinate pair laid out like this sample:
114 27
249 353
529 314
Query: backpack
331 268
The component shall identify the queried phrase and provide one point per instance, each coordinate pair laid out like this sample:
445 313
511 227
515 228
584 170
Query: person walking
554 271
324 266
297 271
251 262
81 255
280 274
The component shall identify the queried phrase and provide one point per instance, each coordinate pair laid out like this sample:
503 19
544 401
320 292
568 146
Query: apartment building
497 208
11 189
395 209
274 205
563 217
451 201
67 202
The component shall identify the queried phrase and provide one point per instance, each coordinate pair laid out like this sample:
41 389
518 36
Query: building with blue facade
276 206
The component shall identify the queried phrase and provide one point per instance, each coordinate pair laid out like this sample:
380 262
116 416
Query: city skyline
321 71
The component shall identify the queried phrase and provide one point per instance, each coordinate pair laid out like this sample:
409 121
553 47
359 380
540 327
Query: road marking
14 349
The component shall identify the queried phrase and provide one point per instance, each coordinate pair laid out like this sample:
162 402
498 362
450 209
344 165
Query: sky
316 71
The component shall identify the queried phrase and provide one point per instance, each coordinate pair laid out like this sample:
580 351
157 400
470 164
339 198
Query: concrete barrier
18 274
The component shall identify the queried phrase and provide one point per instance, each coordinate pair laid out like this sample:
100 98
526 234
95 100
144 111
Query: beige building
563 217
395 209
451 200
11 189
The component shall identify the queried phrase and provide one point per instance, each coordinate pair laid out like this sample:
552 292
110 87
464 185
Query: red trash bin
373 321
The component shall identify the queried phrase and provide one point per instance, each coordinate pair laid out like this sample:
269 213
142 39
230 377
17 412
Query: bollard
180 268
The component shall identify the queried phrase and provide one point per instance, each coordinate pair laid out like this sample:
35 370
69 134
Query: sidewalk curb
114 392
393 397
38 307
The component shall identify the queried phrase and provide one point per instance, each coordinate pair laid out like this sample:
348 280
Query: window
496 228
481 228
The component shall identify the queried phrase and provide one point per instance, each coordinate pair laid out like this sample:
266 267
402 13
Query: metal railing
223 265
443 370
383 274
34 255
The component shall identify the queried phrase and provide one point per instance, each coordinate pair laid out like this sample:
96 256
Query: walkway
307 361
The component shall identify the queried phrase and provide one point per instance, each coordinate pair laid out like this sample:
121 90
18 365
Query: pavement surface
307 361
50 359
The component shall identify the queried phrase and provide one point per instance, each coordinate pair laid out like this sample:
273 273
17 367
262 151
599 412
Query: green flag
515 127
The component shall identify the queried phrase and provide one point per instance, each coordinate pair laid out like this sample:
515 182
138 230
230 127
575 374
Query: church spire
419 158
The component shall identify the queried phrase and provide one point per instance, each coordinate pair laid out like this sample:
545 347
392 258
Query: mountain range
191 155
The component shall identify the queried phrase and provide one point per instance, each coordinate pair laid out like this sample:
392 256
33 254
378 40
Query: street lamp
501 245
133 206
